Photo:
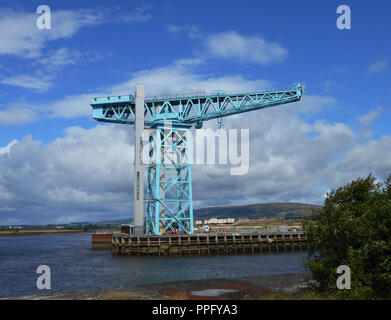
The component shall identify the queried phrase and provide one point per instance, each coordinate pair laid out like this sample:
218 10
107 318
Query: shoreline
37 232
254 287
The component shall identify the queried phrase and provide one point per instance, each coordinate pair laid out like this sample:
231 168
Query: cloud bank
88 174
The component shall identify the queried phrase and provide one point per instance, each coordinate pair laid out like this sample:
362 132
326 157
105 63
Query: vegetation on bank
353 228
51 227
35 232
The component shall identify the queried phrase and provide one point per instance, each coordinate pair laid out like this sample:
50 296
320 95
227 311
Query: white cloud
232 45
139 15
189 62
172 29
290 160
180 77
6 149
88 173
50 64
72 106
312 104
372 156
369 117
59 58
366 121
192 31
16 115
183 78
19 35
29 82
378 66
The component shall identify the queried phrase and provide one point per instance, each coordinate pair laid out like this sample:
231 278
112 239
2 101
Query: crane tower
169 199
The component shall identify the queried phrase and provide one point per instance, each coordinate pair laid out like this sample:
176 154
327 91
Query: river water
74 266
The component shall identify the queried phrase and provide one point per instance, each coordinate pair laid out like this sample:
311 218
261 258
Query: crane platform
207 244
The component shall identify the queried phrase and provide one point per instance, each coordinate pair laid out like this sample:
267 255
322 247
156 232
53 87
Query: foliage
354 229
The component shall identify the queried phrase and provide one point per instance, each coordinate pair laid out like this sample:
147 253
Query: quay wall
204 244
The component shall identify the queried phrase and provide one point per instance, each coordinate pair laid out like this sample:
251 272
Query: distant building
198 222
211 221
295 228
15 228
216 221
283 228
271 227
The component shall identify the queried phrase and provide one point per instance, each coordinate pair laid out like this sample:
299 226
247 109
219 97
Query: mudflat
229 288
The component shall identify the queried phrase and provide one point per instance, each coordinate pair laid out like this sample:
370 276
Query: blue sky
104 47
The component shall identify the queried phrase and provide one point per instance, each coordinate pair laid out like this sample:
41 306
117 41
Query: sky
58 165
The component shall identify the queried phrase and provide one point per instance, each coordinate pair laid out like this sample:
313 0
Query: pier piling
167 245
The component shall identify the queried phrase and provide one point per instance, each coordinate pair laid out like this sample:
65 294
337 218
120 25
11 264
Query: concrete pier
204 244
101 241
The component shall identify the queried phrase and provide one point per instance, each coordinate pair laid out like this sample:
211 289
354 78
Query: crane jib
192 109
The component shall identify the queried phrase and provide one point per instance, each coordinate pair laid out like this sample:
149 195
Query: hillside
287 210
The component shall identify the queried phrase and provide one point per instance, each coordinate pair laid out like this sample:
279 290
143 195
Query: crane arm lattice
189 109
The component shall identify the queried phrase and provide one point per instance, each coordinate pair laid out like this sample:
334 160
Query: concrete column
138 163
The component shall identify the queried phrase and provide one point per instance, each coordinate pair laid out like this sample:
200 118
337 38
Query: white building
218 221
211 221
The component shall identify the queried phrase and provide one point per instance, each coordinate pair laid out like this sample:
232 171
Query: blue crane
169 196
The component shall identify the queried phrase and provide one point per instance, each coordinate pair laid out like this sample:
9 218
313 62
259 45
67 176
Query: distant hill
287 210
114 222
80 223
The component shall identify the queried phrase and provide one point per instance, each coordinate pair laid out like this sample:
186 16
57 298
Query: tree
353 228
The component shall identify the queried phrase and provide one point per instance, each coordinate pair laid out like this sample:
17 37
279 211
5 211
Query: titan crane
169 119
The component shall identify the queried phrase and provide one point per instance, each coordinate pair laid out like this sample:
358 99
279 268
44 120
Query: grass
304 295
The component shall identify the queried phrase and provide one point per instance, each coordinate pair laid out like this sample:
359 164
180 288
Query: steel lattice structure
169 188
169 185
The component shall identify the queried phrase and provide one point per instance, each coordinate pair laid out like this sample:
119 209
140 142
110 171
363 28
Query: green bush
353 228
